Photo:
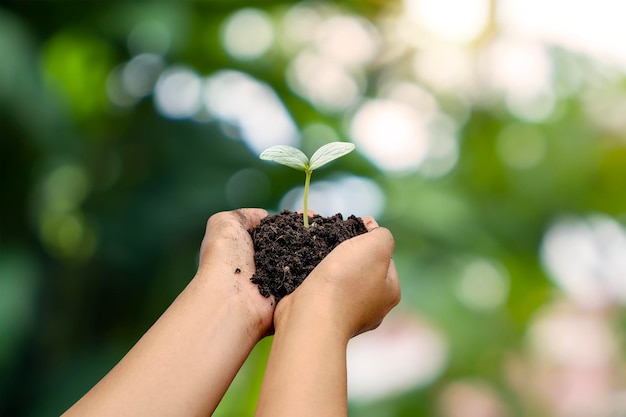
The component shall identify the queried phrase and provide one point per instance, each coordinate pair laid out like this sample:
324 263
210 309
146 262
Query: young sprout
295 158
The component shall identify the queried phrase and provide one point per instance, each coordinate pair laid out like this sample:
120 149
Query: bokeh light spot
412 95
446 68
534 109
177 93
559 22
521 147
115 90
606 106
347 40
517 66
299 26
315 135
521 70
443 149
574 362
247 34
77 66
346 195
471 398
585 257
326 84
18 296
391 134
65 188
566 336
15 42
252 107
452 20
141 73
483 285
403 353
66 235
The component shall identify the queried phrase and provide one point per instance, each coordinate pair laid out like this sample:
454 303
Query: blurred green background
491 140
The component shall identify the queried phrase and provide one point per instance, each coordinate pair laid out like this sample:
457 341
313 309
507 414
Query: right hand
352 289
227 261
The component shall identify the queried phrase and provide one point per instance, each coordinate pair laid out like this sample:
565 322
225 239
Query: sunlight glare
459 21
391 134
592 27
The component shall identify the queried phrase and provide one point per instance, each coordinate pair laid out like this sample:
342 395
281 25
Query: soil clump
285 252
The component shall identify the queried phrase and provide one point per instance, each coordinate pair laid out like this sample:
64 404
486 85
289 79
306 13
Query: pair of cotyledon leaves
295 158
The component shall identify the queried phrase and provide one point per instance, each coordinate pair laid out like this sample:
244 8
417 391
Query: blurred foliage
104 206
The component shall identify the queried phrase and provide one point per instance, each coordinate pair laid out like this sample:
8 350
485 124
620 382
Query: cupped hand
227 261
353 288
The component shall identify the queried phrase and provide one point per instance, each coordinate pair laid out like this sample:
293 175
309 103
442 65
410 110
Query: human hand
227 262
352 289
186 361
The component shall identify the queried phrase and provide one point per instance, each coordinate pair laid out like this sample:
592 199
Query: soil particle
285 252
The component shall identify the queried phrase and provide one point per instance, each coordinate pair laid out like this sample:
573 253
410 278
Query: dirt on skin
285 252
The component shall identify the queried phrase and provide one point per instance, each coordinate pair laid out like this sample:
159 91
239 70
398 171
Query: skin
348 293
185 362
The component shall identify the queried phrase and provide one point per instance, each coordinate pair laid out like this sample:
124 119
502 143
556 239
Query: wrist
226 299
315 316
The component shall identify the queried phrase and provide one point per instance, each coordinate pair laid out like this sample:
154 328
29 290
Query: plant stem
305 208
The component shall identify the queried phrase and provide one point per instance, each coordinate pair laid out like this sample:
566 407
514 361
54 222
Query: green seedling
296 159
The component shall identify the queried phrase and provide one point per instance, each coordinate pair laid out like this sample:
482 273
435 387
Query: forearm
306 372
183 364
348 293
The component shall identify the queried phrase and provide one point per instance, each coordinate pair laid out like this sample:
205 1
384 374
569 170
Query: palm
229 244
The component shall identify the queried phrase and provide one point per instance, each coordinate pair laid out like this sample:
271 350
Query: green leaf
286 155
329 153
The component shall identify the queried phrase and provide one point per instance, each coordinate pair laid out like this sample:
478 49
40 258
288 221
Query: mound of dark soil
285 252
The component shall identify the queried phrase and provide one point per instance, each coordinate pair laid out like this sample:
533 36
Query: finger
249 218
377 244
370 223
226 222
394 282
383 238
